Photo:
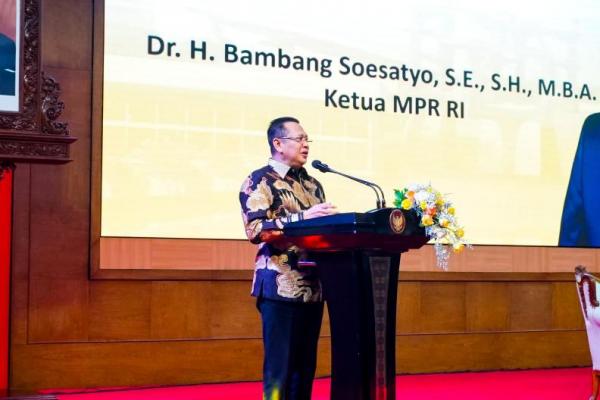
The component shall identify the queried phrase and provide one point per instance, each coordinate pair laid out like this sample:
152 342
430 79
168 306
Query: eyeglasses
299 139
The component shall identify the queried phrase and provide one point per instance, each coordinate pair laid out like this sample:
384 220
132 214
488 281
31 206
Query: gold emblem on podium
397 221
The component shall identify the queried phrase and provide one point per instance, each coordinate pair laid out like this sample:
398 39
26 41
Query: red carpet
548 384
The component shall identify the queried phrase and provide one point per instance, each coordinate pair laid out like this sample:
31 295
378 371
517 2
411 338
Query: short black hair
276 129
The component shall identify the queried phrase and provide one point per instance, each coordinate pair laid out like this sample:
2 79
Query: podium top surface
387 229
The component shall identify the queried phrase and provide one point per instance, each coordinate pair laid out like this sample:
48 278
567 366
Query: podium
358 259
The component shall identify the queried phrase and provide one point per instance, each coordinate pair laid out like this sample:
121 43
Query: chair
587 287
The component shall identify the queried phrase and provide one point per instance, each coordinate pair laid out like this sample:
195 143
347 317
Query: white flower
440 234
430 203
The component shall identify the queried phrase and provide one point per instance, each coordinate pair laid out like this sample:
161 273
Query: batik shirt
270 198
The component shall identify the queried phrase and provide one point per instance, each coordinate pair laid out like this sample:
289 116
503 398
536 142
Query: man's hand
320 210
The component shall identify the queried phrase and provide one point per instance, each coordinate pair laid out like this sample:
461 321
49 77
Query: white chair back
588 287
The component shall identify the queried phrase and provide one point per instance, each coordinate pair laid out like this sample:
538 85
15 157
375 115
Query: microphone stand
325 168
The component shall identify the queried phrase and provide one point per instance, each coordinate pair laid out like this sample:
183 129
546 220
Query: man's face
293 147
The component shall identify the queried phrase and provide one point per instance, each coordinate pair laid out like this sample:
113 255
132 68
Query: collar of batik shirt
283 170
279 167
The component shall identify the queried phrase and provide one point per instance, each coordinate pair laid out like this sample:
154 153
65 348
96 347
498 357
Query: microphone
321 166
326 168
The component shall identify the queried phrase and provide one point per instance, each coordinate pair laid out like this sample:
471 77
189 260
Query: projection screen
485 102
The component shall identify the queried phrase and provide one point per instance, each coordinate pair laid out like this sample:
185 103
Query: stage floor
547 384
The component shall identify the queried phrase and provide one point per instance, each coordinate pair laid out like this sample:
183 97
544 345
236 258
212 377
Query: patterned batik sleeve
256 200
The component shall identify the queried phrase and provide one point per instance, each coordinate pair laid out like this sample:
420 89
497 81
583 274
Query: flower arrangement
437 217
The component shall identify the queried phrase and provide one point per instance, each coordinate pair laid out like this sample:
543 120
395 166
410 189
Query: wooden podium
358 259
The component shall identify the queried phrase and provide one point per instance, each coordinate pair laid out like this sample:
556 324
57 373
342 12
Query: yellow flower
459 233
406 204
451 210
423 205
458 247
444 223
427 220
439 202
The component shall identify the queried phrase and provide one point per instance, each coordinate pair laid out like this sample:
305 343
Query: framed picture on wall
29 99
10 39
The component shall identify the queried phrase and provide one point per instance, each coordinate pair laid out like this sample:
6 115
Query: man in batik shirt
288 295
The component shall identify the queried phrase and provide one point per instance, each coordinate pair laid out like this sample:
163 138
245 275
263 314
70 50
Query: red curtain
5 236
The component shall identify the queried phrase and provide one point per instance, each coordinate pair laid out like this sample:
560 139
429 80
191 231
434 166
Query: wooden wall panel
135 363
204 310
57 310
492 306
173 310
118 254
489 351
147 253
408 307
488 306
224 309
557 259
450 325
531 306
144 363
564 298
233 316
219 254
119 310
20 256
188 362
49 249
67 37
441 307
181 310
